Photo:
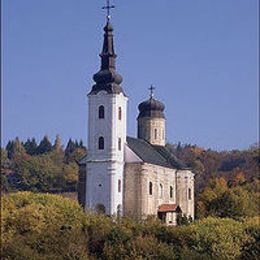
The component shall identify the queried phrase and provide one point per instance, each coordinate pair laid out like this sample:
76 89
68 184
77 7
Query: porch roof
169 208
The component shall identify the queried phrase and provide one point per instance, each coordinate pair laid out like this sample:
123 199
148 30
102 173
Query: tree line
41 167
226 182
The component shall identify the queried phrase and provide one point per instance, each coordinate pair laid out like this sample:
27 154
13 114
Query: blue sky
201 55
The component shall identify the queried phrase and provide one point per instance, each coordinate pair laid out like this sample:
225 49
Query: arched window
161 190
189 194
155 134
100 209
119 144
119 185
171 191
119 113
101 142
150 188
101 112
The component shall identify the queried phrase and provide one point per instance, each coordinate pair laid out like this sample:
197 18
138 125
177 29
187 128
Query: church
128 176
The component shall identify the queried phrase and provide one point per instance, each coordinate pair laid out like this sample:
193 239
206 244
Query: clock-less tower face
105 160
152 130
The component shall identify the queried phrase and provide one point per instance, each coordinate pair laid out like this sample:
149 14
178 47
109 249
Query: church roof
154 154
169 208
151 108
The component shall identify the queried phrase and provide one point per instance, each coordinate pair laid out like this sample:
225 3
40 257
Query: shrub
42 226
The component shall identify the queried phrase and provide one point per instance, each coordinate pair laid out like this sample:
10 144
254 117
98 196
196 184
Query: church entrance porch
168 213
162 216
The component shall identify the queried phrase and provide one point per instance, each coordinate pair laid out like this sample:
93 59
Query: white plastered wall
105 167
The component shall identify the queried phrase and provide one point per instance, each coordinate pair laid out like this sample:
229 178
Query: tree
239 179
15 150
81 145
9 148
42 226
31 146
70 148
57 144
45 146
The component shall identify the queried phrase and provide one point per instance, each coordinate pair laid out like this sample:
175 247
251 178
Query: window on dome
101 112
155 134
101 143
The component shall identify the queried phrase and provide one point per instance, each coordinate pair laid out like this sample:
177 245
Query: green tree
31 146
9 148
15 150
41 226
45 146
236 203
70 148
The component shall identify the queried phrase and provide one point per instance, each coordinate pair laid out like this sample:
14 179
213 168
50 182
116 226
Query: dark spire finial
152 88
107 77
108 7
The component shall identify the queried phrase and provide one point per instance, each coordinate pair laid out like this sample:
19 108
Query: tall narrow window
161 190
171 191
119 144
119 113
101 112
150 188
101 142
155 134
189 194
119 186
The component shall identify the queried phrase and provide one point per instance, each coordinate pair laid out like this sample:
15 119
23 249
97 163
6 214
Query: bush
251 248
42 226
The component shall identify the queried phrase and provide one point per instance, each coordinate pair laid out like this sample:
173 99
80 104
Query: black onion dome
151 108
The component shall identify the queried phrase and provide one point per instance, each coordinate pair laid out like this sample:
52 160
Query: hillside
227 182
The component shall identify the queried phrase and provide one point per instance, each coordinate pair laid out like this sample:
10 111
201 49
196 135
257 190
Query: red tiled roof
169 208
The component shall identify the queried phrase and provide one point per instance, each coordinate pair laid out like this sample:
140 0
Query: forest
48 226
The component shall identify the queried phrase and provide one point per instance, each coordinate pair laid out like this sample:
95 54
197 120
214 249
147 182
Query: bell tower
151 120
107 111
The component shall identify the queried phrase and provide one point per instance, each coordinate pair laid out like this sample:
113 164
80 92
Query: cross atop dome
152 88
108 7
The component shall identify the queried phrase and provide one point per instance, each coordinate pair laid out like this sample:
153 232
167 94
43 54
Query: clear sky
201 55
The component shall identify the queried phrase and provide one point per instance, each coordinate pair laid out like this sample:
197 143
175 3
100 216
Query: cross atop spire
108 7
152 88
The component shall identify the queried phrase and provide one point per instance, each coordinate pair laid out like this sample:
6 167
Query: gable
130 156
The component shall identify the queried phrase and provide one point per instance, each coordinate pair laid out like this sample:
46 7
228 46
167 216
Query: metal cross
108 7
152 88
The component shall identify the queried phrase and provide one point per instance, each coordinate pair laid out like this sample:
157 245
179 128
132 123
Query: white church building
128 176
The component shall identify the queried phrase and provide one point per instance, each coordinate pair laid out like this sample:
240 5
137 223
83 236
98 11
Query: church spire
107 78
108 56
